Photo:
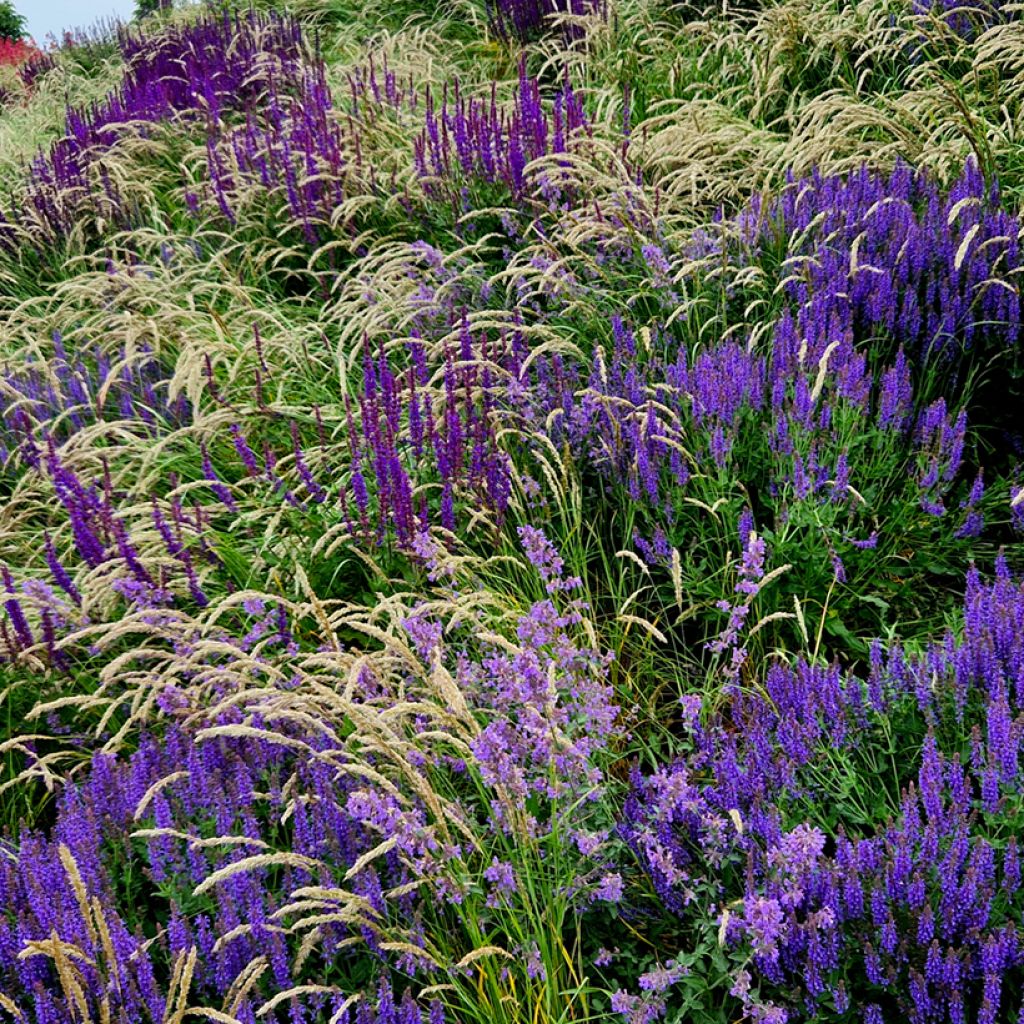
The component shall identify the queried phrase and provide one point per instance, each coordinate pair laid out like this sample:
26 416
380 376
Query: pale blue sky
45 16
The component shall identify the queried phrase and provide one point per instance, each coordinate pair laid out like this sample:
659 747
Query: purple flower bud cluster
547 701
93 533
37 65
550 706
176 835
813 428
37 613
182 794
292 145
966 20
917 908
466 138
748 585
419 450
894 256
525 20
300 146
940 453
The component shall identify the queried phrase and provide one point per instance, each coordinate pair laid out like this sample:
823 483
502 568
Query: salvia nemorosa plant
306 155
36 64
524 20
463 147
909 905
405 425
420 447
835 464
292 145
69 392
221 803
466 138
965 20
895 261
843 427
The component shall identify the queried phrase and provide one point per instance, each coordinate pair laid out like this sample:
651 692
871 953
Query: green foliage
147 7
12 24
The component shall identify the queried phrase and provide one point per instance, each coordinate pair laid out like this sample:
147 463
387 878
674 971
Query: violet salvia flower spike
523 20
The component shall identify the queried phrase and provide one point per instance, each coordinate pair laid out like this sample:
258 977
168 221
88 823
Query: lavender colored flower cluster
224 838
913 910
892 257
195 809
299 146
965 20
540 741
291 143
399 426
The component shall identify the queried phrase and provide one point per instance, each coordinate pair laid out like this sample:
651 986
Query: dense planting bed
512 511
